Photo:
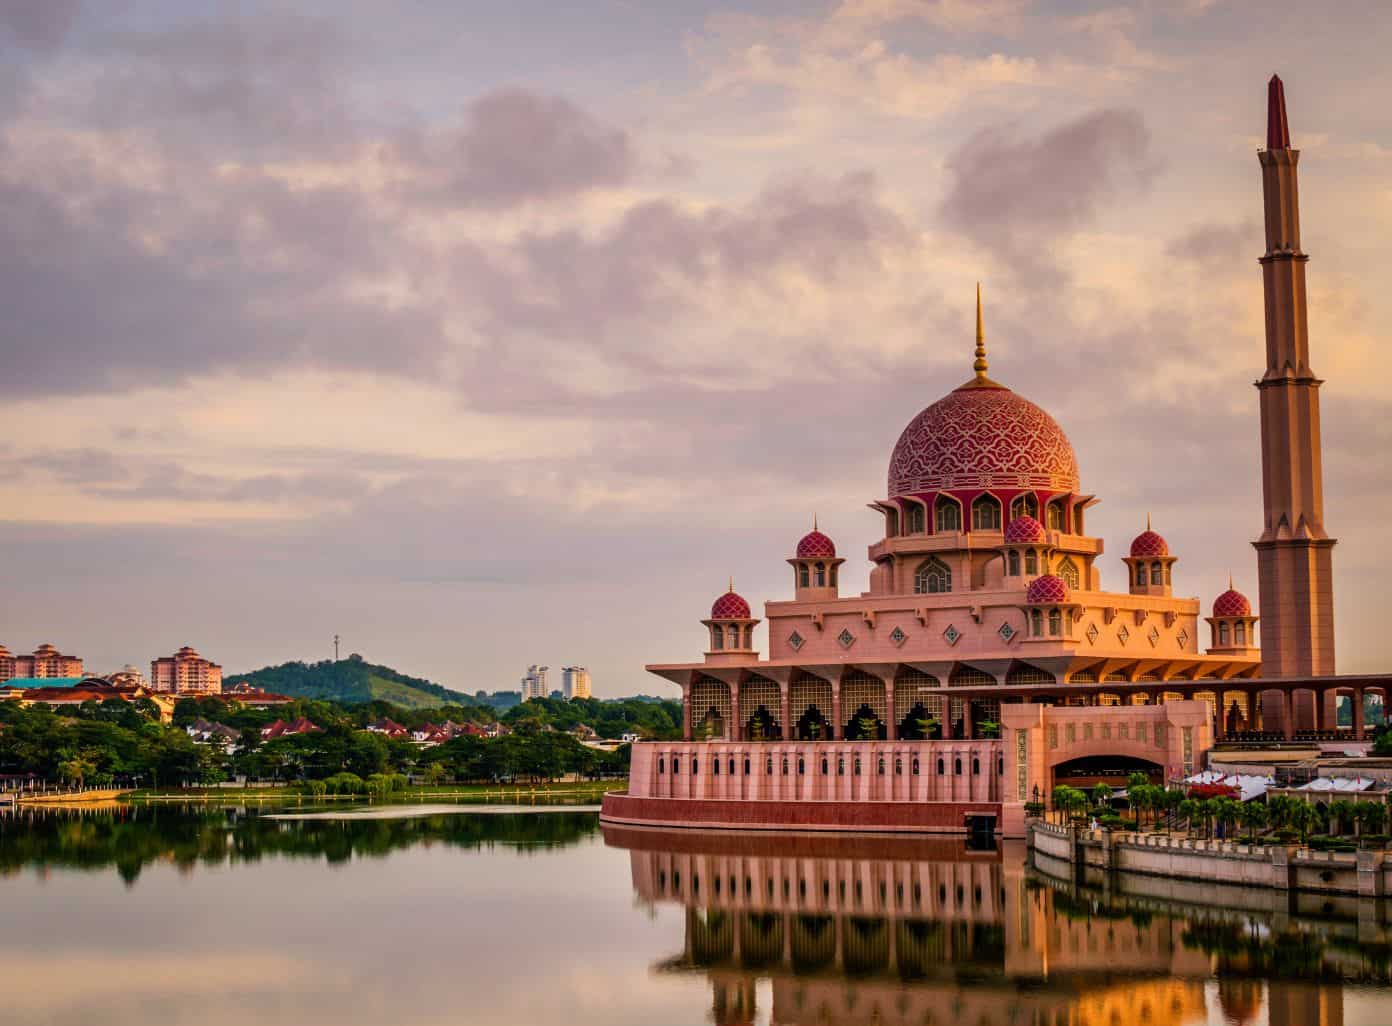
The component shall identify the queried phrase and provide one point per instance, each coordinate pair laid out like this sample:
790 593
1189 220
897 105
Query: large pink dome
982 436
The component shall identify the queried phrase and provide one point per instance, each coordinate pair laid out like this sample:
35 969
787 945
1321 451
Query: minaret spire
1294 552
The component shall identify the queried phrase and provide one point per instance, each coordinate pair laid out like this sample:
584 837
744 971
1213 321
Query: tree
1372 816
1189 809
1102 795
1303 817
1341 814
1252 815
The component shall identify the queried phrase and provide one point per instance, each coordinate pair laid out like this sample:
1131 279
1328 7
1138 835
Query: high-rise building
46 662
186 672
533 683
575 682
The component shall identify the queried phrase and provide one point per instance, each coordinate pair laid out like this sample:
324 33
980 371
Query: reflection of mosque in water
919 931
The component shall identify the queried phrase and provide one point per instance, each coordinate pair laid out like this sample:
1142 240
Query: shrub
345 783
315 788
1034 808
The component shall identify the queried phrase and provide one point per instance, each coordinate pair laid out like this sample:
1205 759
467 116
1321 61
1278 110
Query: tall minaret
1294 551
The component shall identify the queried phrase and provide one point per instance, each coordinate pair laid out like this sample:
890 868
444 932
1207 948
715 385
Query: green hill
350 680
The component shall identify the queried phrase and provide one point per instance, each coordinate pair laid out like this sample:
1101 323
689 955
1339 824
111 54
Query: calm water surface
466 916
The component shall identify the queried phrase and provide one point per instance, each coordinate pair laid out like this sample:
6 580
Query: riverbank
1280 867
293 794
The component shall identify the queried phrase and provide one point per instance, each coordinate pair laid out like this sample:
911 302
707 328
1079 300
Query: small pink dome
730 606
1232 603
1046 589
1024 529
815 545
1148 544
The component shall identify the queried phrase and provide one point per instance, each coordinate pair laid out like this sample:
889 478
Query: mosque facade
985 661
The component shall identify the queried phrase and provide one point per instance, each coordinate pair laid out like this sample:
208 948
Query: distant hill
350 680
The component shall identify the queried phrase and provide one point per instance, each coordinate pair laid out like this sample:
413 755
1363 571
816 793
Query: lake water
468 916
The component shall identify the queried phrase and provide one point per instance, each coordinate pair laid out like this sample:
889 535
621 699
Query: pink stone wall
907 817
855 771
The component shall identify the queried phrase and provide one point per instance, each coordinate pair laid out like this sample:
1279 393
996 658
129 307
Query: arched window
715 767
840 767
879 769
768 767
1053 515
1055 623
986 514
942 767
1031 562
804 578
748 635
695 765
947 515
661 765
821 575
976 767
1223 634
785 767
1157 573
1025 505
1240 632
956 767
1036 623
1140 574
1014 563
1068 572
913 768
717 637
802 767
898 767
734 636
914 519
824 766
932 578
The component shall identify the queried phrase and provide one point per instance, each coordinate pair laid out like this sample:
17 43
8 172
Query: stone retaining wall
891 817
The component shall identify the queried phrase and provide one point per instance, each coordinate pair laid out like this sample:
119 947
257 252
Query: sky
486 334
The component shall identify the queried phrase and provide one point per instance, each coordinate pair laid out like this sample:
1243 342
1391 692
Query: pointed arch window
1054 518
1223 634
986 514
1025 505
933 577
1036 623
914 519
1157 573
1140 574
947 515
717 637
1055 623
804 576
734 636
821 575
1031 562
1013 561
1240 632
1068 573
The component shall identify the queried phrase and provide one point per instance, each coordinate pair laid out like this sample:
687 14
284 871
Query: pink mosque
985 663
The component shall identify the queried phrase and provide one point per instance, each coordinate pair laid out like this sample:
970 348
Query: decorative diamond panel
1153 637
898 636
1182 637
846 638
952 635
1092 633
1123 635
1006 632
796 640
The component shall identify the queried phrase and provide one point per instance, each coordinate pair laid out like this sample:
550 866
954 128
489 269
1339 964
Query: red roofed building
282 729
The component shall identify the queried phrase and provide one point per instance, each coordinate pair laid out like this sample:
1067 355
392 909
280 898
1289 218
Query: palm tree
1303 817
1101 795
1281 810
1372 816
1227 812
1252 815
1189 809
1341 812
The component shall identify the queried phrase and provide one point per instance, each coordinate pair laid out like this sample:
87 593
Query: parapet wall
1283 867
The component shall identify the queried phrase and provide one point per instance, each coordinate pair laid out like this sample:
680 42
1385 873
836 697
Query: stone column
836 710
891 727
1287 714
686 711
736 721
1358 714
786 707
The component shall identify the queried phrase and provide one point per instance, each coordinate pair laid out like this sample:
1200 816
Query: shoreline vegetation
294 794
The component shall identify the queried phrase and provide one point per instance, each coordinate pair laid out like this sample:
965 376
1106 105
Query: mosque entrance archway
1114 770
711 726
812 725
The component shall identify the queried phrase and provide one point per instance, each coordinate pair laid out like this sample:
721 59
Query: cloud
517 145
1016 193
38 24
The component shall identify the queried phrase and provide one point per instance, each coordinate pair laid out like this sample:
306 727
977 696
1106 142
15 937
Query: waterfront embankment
1282 867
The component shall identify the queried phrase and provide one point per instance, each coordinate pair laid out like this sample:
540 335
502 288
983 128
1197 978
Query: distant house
584 732
94 689
250 696
387 727
207 733
282 729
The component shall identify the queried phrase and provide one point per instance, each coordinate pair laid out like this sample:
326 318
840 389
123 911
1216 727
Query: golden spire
732 582
1147 521
980 364
814 521
1230 587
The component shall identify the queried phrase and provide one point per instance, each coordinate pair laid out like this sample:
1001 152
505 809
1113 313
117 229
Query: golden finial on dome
1230 587
814 521
1147 521
980 364
732 583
